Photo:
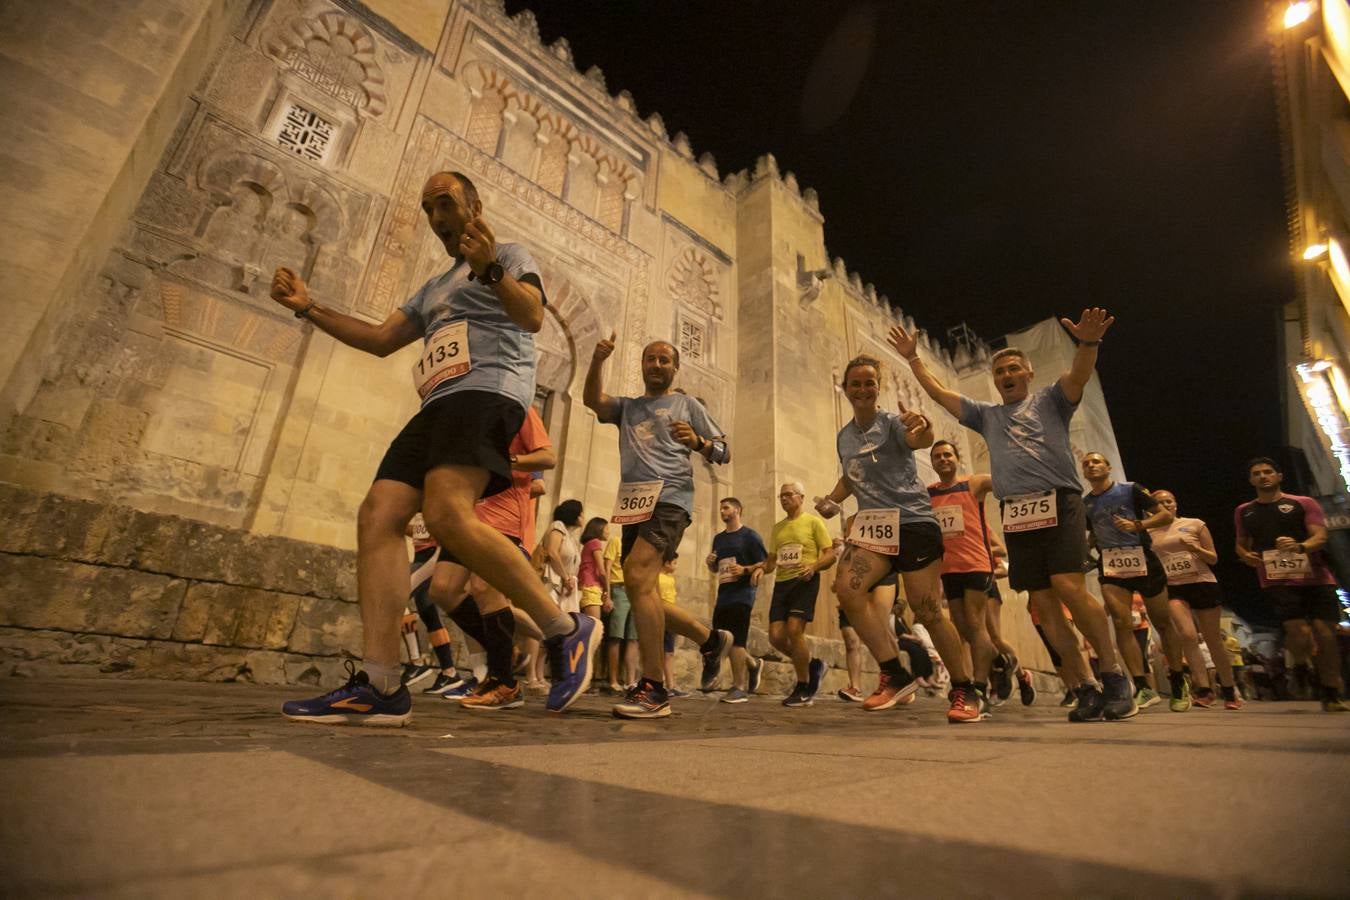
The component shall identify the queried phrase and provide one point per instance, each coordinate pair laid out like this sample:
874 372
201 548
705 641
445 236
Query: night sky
996 163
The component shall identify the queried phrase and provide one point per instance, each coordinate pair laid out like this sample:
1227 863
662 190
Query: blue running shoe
355 703
569 663
465 687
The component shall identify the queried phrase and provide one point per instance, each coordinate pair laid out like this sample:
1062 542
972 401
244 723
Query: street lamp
1299 12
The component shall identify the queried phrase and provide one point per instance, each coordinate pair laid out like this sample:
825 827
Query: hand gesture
915 423
1287 544
1129 526
906 344
478 246
604 348
684 433
1091 325
289 289
827 508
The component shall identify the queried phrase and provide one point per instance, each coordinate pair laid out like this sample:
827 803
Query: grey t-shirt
647 451
881 469
1028 441
500 351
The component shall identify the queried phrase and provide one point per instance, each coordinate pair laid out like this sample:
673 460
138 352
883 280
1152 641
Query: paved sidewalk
133 788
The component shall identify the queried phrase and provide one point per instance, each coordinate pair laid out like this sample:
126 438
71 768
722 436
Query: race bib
1124 562
726 570
445 356
1179 565
877 530
1283 565
1030 512
419 529
790 556
951 519
636 501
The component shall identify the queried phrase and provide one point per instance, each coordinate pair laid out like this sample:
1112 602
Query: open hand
906 344
1091 325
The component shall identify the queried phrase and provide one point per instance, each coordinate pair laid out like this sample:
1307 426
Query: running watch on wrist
493 273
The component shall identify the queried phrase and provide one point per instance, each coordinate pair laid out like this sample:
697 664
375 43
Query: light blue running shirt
881 470
1028 441
501 352
648 452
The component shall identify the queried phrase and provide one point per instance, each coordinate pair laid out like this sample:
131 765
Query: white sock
562 624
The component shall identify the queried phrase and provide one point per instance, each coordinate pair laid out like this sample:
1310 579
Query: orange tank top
965 536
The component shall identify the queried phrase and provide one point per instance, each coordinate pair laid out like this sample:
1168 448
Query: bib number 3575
877 530
445 356
1030 512
636 502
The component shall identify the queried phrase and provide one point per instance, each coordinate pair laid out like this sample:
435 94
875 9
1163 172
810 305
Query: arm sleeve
1237 523
412 308
754 549
532 434
617 406
1062 404
1312 512
520 265
972 414
821 534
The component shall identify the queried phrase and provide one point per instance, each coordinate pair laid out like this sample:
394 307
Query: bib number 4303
1124 562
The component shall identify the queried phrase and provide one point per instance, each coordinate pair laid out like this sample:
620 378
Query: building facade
166 423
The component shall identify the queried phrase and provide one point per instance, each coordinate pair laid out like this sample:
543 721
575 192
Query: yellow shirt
612 551
1234 649
797 543
665 583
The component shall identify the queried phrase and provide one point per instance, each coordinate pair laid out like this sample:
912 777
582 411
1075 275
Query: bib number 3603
877 530
636 502
445 356
1030 512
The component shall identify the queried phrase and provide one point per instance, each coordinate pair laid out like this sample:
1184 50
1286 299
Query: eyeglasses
783 496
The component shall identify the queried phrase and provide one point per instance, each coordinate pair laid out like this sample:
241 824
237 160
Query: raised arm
523 302
907 345
290 291
1088 331
593 395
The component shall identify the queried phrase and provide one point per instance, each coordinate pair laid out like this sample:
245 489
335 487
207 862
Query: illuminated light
1323 386
1315 251
1298 13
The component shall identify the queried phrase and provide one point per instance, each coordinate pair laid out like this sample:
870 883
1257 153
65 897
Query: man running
1119 516
967 561
737 558
1282 537
475 378
657 434
894 530
1036 481
426 552
800 548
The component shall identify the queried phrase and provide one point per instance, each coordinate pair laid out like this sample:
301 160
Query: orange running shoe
493 695
891 693
965 707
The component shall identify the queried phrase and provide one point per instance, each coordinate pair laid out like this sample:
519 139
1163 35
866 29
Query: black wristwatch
493 273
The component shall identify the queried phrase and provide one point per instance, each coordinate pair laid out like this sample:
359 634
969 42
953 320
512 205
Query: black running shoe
712 659
799 697
1025 687
1091 704
816 668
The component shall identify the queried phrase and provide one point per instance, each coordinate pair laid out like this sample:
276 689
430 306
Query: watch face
494 273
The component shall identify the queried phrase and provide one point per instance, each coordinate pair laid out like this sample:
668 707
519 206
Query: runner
894 530
426 552
1281 536
800 548
967 562
1187 552
476 381
1006 668
883 605
738 559
1119 516
620 629
657 433
1036 481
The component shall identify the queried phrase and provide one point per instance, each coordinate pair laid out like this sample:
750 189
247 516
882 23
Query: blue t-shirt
881 470
648 452
745 546
1125 499
1028 441
500 351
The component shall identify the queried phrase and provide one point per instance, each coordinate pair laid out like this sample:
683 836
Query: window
305 133
693 341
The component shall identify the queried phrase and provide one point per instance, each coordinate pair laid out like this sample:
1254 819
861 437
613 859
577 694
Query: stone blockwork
89 586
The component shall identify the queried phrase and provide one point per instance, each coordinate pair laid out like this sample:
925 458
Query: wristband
303 312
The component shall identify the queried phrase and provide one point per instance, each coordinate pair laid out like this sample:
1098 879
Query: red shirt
512 511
